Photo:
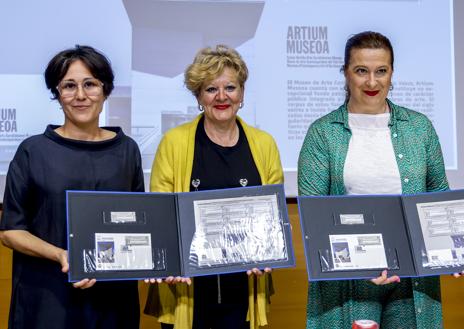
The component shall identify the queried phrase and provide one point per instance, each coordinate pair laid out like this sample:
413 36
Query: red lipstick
371 92
222 107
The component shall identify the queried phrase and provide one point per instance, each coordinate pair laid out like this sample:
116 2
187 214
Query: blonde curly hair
209 63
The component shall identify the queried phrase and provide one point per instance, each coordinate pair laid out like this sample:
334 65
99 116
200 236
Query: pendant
243 182
195 183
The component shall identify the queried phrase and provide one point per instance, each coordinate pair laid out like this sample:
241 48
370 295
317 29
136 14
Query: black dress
43 167
221 301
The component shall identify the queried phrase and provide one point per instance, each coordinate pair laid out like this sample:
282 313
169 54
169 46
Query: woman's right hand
170 280
384 279
258 272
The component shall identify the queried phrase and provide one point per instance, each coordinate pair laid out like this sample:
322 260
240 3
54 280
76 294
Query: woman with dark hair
77 155
370 145
216 150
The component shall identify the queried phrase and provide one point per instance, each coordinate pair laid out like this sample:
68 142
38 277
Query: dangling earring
391 87
200 107
347 92
240 105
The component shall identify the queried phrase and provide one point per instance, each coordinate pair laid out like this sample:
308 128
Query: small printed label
351 219
441 255
123 217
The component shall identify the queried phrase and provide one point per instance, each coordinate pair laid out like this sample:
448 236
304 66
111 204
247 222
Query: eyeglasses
69 88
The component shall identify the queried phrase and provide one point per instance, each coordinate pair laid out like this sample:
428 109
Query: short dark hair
367 40
96 62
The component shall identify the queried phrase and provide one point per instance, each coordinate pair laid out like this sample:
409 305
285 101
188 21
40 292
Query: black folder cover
123 235
422 234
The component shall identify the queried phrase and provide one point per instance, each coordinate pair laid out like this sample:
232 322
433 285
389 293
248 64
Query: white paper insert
237 230
442 225
358 251
123 251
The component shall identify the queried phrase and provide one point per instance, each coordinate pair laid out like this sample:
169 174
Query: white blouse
370 165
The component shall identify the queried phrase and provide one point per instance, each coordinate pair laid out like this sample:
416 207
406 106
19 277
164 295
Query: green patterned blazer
335 304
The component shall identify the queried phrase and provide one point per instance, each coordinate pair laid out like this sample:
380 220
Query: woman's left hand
384 279
258 272
84 284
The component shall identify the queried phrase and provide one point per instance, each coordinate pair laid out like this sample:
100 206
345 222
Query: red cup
365 324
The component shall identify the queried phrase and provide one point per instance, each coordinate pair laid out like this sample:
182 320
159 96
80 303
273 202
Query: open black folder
354 237
122 235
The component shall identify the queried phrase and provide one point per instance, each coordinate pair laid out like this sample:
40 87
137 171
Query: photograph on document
123 251
358 251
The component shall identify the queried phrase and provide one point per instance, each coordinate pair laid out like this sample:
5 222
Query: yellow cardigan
171 172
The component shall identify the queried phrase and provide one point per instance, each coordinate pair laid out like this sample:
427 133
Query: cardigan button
400 156
419 310
395 135
406 180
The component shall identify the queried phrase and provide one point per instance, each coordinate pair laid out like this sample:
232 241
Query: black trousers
220 303
219 318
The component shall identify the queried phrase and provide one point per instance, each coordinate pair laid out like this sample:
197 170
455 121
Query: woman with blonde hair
216 150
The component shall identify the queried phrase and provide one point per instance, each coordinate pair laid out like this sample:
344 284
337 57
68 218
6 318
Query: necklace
223 139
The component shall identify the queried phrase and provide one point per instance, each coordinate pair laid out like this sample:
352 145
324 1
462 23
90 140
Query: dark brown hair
367 40
95 61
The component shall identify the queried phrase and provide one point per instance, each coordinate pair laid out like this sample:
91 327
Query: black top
43 167
218 167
